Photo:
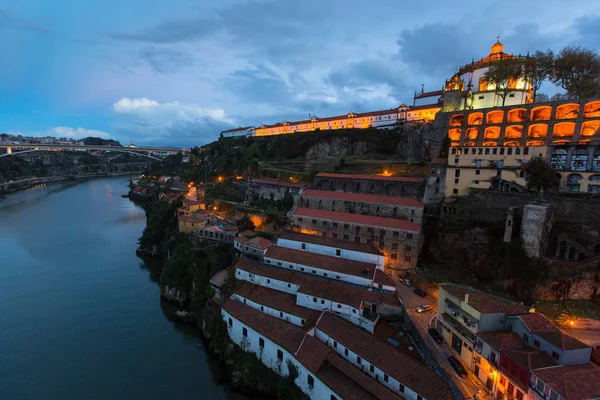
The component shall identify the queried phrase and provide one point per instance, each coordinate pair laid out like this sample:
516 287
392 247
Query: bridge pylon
9 150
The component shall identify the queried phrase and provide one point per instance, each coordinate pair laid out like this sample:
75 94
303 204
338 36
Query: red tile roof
336 264
276 182
195 217
561 340
284 334
331 242
370 177
367 220
535 322
409 371
382 279
259 243
527 358
312 353
572 382
364 198
241 239
280 301
485 303
501 340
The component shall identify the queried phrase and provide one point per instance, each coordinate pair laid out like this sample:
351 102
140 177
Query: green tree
245 224
252 151
538 69
540 175
577 71
501 73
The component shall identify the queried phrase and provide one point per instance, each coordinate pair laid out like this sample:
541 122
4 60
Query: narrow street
469 386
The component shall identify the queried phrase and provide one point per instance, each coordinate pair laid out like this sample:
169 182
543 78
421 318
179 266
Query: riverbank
25 184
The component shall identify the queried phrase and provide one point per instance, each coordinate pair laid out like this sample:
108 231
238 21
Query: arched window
538 131
457 120
514 132
454 134
492 132
564 129
541 113
567 111
574 183
475 118
579 160
594 185
472 133
495 117
592 109
589 128
558 159
517 115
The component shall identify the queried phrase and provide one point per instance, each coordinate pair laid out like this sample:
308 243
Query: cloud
165 60
152 112
10 20
78 133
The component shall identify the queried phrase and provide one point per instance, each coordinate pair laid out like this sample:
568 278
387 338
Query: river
80 316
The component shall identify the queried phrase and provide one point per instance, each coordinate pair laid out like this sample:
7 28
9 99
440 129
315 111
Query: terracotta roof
382 279
220 277
501 340
384 330
409 371
241 239
370 177
259 243
527 358
485 303
318 287
364 198
195 217
423 95
561 340
368 220
247 233
572 382
245 128
331 242
351 383
278 183
280 301
535 322
286 335
336 264
313 353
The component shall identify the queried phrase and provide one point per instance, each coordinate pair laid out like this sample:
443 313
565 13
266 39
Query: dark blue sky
178 72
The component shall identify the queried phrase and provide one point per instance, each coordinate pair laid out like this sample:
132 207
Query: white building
327 246
241 131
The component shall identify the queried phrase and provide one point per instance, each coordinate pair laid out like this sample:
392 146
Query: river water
80 315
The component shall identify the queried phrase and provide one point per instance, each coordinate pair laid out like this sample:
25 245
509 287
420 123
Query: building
499 168
399 240
332 247
463 313
365 204
236 132
271 189
566 382
191 222
370 184
469 89
254 247
399 372
217 282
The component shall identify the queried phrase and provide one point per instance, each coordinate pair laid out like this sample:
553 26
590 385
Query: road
468 386
589 337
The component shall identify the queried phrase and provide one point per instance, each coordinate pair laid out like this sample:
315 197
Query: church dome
497 48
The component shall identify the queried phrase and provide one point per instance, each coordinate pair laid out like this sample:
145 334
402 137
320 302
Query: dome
497 48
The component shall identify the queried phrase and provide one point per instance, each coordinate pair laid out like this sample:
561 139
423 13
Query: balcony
459 327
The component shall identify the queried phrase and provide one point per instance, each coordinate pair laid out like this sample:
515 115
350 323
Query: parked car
435 335
419 292
407 282
458 367
423 308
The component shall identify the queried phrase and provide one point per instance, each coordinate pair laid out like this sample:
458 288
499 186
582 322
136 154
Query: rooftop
572 382
528 358
247 233
364 198
433 93
368 220
336 264
280 301
331 242
245 128
370 177
258 242
535 322
501 340
278 183
409 371
485 303
219 278
194 217
284 334
545 329
383 279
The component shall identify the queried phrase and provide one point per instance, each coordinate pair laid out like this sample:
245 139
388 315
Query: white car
423 308
407 282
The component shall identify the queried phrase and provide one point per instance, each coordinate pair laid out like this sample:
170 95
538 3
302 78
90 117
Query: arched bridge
150 152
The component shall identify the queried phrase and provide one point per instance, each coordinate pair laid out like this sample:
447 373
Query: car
407 282
458 367
423 308
435 335
419 292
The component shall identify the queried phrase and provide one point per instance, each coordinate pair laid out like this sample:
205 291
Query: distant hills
96 141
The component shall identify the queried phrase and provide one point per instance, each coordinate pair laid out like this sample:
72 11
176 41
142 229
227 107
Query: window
324 223
525 336
322 301
244 301
370 230
386 378
337 277
262 308
357 239
480 151
509 151
339 306
555 355
302 321
358 360
382 232
553 395
536 343
494 151
314 221
245 332
407 258
230 322
334 235
453 151
519 395
289 285
346 237
518 151
279 355
409 235
311 381
372 368
268 281
394 246
314 272
346 352
396 234
501 150
526 150
338 252
301 268
335 224
357 230
394 256
457 173
346 226
487 151
502 381
454 191
280 314
477 172
401 388
303 246
261 343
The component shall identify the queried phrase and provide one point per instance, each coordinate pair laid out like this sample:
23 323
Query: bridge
149 152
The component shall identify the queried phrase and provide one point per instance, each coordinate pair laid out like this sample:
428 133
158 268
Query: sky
178 72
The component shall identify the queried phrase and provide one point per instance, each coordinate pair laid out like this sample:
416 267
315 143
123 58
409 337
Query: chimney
467 298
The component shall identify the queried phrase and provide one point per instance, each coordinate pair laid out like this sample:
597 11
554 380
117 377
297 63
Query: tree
245 224
542 98
538 69
540 175
559 97
502 73
577 71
